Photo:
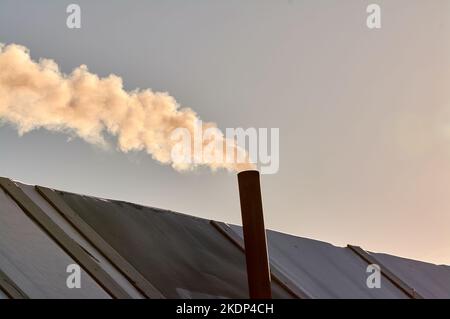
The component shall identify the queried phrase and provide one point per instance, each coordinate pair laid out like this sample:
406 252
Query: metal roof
131 251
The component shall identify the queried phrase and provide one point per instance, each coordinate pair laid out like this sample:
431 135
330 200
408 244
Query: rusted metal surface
411 292
258 270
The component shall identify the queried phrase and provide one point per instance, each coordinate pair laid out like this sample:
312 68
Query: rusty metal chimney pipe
258 269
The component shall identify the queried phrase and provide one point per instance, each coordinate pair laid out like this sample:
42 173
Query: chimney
258 271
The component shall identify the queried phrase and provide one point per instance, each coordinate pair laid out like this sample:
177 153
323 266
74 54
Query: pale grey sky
364 115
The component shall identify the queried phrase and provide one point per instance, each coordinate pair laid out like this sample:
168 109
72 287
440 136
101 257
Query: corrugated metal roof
132 251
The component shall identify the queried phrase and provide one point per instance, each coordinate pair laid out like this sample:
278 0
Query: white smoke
37 95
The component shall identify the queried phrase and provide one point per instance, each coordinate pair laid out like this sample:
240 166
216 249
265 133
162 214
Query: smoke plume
37 95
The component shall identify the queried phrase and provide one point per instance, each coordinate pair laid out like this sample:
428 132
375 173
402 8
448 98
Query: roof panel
33 261
180 255
323 270
75 235
429 280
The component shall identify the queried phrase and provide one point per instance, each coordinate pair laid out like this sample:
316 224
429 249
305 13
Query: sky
364 115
